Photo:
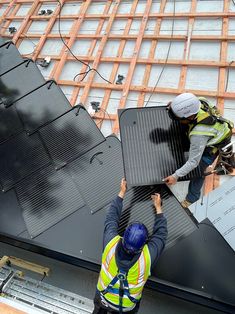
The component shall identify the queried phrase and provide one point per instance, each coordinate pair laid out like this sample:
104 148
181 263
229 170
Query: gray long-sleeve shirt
197 147
155 244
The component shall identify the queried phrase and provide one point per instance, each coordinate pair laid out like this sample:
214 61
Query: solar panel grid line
47 198
74 133
152 145
20 82
102 175
28 112
21 156
9 59
145 121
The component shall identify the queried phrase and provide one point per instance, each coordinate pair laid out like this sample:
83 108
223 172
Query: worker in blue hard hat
127 261
208 132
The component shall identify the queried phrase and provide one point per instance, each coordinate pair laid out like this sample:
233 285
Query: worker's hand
123 188
157 202
168 105
170 180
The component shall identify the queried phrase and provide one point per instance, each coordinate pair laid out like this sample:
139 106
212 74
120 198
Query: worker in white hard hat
207 131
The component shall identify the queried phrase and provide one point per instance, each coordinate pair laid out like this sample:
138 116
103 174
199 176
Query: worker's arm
113 215
197 147
157 241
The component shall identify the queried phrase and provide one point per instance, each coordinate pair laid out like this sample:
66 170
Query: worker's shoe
185 204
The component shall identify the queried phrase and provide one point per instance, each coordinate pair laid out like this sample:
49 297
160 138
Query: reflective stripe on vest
137 274
218 131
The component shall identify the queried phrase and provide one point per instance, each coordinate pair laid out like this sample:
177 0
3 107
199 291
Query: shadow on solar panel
153 145
138 206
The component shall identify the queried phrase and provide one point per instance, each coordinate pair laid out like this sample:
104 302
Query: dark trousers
102 309
195 185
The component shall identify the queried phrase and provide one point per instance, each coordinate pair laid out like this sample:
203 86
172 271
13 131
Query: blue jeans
195 185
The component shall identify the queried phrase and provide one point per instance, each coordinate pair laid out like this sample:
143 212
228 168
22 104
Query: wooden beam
139 40
99 52
55 74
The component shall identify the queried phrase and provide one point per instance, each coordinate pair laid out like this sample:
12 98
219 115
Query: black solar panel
11 220
10 122
46 198
84 235
19 82
98 173
70 136
43 105
19 157
138 206
2 41
152 145
9 57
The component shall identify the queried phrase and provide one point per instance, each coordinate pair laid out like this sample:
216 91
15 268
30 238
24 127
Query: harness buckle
121 276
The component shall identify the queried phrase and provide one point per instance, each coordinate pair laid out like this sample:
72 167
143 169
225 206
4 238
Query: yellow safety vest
218 131
136 277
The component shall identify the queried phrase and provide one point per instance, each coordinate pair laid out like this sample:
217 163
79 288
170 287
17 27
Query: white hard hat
185 105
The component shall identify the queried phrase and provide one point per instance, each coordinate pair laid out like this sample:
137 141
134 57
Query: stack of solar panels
57 169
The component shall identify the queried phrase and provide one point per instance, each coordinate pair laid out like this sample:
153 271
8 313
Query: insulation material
23 10
170 76
96 8
197 78
231 51
113 102
176 50
70 70
231 27
37 27
52 47
205 51
71 8
231 81
81 47
210 5
180 27
180 6
65 27
208 26
28 46
219 207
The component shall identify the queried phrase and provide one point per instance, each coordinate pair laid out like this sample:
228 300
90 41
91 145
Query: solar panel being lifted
152 145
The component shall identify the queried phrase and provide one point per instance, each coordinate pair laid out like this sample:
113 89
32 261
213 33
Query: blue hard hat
135 237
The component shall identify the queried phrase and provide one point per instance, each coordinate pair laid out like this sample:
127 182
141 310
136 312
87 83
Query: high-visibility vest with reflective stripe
136 278
218 131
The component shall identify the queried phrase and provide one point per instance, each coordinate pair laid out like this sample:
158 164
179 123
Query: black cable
105 112
228 73
62 39
84 63
167 56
